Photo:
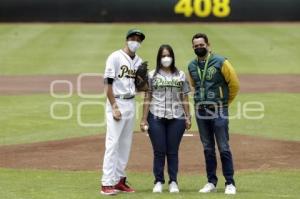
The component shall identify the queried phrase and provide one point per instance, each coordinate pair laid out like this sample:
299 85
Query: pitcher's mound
87 153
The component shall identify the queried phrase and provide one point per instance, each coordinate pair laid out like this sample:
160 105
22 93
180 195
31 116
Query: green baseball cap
135 32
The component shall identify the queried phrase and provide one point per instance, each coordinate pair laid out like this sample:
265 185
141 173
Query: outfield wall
148 10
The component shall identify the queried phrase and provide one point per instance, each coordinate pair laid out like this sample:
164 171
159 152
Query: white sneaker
209 187
173 187
230 189
158 187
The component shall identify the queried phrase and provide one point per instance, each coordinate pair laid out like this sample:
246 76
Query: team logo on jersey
126 72
210 72
159 82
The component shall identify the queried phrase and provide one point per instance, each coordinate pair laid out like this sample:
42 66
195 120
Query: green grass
30 184
27 119
77 48
280 121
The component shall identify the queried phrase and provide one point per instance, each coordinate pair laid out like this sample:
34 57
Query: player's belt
124 96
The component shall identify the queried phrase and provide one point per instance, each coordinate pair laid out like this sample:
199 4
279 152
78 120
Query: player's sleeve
110 68
185 86
108 80
231 79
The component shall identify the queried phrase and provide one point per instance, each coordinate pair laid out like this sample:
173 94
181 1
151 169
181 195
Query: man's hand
116 113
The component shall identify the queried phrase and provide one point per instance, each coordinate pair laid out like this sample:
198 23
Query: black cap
135 32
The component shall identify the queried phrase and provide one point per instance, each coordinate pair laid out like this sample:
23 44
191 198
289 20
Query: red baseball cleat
122 186
108 190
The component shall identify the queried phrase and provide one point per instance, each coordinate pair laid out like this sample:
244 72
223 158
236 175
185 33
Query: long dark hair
159 56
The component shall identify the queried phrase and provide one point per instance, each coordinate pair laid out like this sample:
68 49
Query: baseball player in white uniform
120 112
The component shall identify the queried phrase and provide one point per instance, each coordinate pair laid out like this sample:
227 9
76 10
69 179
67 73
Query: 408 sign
203 8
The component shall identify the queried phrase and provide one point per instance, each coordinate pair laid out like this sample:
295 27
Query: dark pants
165 136
213 126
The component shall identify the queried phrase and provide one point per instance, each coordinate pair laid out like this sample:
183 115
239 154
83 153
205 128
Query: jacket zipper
221 92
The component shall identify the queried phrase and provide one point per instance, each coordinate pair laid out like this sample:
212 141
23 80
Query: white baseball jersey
122 68
166 89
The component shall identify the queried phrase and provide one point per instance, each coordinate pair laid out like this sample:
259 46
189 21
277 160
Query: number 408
203 8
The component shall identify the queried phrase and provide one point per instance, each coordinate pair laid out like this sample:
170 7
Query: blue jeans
215 128
165 135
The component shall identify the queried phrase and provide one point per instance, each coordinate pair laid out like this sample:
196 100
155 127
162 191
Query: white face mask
133 46
166 61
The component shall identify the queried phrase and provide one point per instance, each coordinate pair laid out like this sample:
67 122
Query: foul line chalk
185 135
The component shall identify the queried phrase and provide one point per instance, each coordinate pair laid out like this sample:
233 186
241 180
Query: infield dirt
86 153
20 85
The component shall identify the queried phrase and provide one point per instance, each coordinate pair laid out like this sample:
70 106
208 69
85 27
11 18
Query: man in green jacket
216 85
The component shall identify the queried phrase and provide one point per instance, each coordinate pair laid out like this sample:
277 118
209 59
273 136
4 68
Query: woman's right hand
144 126
188 123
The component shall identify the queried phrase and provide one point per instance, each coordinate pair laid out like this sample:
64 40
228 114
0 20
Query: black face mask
200 52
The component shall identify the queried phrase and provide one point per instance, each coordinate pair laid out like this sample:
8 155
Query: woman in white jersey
166 113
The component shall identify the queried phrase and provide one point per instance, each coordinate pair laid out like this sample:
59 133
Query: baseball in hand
145 127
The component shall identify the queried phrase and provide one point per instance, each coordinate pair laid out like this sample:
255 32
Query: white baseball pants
118 141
